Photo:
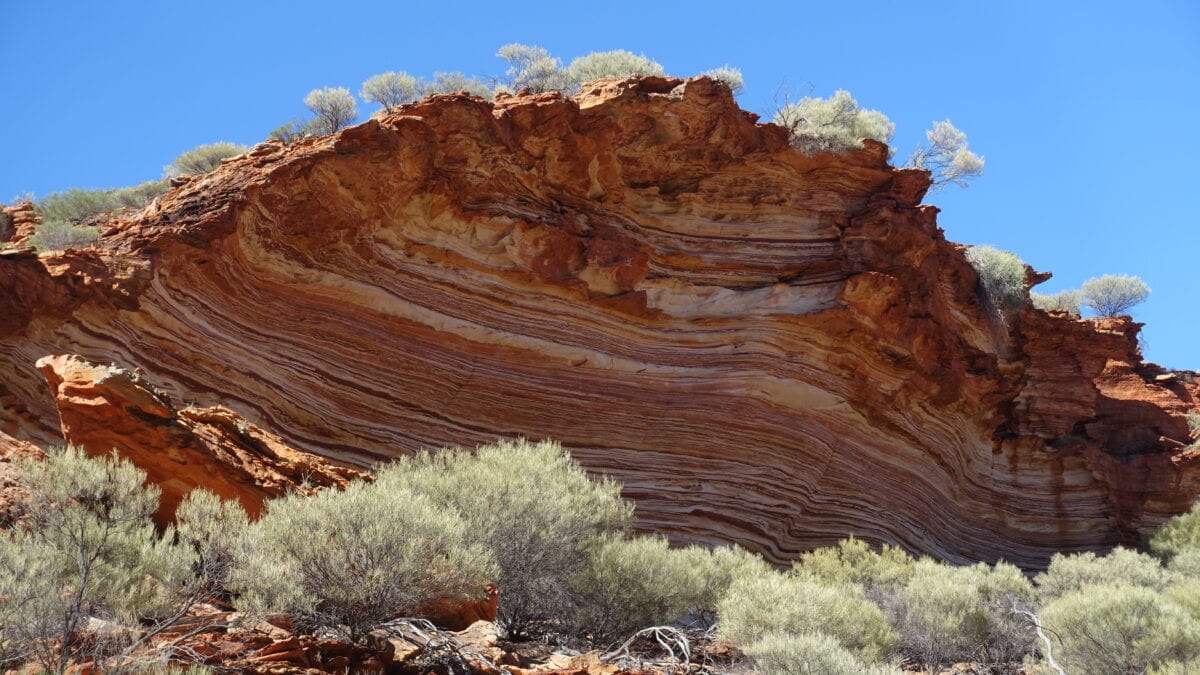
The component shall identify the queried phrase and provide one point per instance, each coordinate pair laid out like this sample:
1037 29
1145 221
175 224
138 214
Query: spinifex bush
532 507
351 560
204 158
1001 276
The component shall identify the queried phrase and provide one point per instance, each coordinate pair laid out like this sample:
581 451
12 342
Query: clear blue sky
1086 112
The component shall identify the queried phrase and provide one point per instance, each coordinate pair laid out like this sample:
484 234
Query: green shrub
204 158
808 654
717 569
390 89
1001 276
349 561
1185 564
631 584
334 108
85 547
1178 535
213 529
853 561
832 124
1193 422
1113 294
616 63
946 615
946 157
78 205
1120 629
532 507
1068 573
452 82
55 235
1063 301
533 68
731 76
759 606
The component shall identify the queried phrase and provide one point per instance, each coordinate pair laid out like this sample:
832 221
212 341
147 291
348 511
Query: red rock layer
104 408
765 347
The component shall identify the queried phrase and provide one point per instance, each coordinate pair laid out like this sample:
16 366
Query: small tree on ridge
334 108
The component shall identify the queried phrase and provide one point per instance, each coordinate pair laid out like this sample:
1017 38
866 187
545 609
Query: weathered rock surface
105 408
765 347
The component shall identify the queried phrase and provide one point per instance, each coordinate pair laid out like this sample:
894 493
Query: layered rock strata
768 348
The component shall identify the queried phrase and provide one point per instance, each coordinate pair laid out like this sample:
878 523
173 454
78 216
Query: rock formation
765 347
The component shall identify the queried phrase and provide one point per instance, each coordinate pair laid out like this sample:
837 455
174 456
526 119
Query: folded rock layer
767 348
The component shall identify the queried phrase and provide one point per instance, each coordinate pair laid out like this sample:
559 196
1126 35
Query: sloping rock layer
765 347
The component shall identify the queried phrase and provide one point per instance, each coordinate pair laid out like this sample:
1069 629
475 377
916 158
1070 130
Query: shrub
1193 422
1120 629
78 205
349 561
946 157
390 89
1063 301
1178 535
529 504
630 584
731 76
759 606
807 654
204 158
449 83
533 68
1068 573
1185 564
616 63
833 124
717 569
946 615
56 235
334 108
86 547
213 529
1113 294
853 561
1001 276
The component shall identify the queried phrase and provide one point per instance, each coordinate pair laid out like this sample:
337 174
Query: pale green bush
1120 629
213 529
832 124
716 570
334 108
946 157
452 82
348 561
731 76
390 89
759 606
533 68
946 615
204 158
1068 573
85 547
55 235
1185 564
532 507
853 561
78 205
630 584
616 63
808 654
1001 276
1113 294
1178 535
1063 301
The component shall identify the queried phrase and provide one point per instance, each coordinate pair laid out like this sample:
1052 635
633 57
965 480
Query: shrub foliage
1113 294
1001 276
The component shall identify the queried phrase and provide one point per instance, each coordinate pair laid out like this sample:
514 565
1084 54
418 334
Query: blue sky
1085 111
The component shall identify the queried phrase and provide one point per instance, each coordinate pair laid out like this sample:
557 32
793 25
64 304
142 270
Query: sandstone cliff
765 347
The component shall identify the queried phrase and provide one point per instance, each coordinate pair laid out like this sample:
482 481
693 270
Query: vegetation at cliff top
79 546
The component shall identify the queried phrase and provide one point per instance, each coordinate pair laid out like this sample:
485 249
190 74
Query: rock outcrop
105 408
765 347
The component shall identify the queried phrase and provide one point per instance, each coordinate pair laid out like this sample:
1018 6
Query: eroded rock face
105 408
765 347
